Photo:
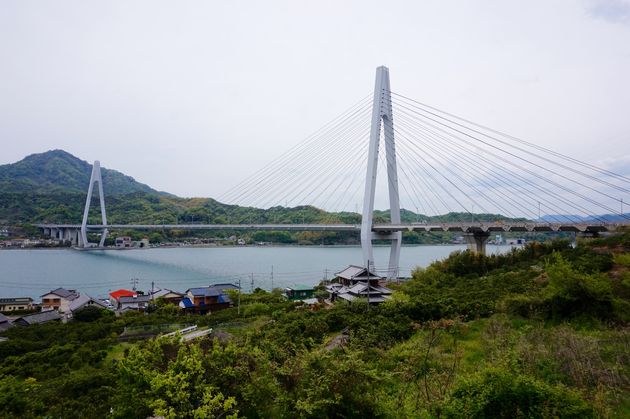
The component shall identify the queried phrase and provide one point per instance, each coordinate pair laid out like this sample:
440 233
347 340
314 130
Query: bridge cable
300 149
471 163
538 147
541 167
586 212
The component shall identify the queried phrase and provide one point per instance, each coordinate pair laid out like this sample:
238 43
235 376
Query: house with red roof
114 296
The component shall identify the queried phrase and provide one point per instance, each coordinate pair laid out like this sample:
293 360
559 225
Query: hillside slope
58 171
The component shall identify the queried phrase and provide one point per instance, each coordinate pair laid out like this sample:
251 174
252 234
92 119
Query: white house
59 300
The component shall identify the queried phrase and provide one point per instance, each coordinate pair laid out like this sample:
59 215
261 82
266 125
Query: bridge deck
378 228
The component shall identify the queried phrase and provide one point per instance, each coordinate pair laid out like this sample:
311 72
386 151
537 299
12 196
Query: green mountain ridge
59 171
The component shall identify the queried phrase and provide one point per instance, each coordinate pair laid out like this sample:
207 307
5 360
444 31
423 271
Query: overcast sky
191 96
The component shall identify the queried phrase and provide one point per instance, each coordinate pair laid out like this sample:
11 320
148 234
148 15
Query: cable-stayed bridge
435 162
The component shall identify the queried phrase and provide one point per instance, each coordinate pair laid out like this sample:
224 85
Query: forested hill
58 171
51 187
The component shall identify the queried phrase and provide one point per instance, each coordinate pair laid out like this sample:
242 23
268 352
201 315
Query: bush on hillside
498 393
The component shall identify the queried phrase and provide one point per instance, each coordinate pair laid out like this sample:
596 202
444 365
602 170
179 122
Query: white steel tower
94 178
381 113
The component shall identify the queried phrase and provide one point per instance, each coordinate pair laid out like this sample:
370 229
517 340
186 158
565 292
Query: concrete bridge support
476 241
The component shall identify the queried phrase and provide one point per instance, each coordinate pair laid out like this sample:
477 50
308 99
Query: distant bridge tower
381 112
94 178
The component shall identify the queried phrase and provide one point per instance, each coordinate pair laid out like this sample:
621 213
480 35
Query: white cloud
614 11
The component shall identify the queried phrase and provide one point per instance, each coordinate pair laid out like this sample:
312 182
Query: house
207 299
299 292
124 242
38 318
4 323
59 300
168 296
83 301
134 302
114 296
357 282
16 303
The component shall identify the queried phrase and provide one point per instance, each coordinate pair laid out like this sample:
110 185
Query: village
62 304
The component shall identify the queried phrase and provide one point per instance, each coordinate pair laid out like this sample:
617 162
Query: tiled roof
350 272
84 299
134 299
15 300
225 286
205 291
301 288
42 317
64 293
354 272
163 292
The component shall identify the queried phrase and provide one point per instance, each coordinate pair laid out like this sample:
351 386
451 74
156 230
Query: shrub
255 309
497 393
572 293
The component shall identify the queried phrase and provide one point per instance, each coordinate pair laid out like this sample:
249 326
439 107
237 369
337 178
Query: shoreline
209 246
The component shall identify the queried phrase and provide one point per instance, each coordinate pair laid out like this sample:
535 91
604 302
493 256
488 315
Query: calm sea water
34 272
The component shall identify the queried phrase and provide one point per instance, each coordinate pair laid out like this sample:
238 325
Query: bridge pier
476 241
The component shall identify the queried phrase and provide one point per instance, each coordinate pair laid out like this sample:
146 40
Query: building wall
53 301
15 306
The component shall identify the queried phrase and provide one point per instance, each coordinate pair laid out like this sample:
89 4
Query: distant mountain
58 171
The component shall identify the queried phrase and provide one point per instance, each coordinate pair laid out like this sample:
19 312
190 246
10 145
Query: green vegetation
539 332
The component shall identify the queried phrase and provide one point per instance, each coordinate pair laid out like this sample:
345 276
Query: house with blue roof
207 299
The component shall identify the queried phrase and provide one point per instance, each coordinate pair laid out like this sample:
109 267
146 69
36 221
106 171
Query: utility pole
252 279
239 297
368 286
622 207
326 275
134 283
152 292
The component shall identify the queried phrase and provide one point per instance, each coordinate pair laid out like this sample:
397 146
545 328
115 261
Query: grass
117 352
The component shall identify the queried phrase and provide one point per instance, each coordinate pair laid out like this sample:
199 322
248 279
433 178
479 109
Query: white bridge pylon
94 178
381 114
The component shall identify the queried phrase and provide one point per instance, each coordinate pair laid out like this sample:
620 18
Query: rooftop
211 291
10 300
225 286
121 293
134 299
64 293
84 299
356 272
301 288
42 317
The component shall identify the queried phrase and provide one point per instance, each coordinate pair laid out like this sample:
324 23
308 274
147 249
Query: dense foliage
540 332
